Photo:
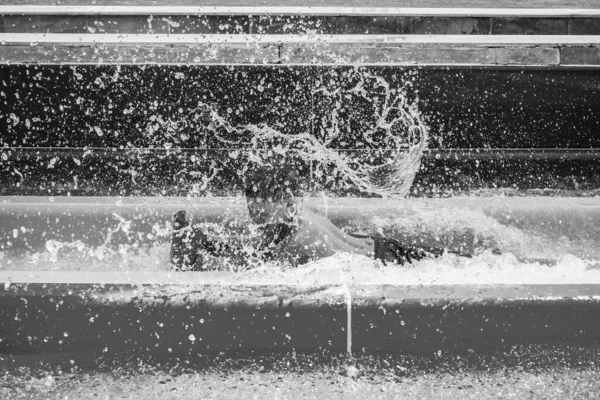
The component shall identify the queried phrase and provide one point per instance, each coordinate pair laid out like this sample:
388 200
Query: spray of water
397 137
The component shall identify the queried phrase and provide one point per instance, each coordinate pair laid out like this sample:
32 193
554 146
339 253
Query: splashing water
371 137
397 135
538 240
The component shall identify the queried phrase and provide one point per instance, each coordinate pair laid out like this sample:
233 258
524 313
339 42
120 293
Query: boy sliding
289 232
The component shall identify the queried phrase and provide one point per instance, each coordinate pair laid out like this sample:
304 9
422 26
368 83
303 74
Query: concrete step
298 20
188 313
522 50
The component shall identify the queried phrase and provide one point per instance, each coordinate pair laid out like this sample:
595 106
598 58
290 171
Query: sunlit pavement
506 385
573 374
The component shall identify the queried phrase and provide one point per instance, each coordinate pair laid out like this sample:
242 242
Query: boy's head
272 194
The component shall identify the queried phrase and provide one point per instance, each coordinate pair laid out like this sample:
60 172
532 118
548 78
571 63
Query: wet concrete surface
542 371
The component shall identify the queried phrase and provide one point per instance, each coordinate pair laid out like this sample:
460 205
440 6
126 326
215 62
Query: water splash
129 254
385 164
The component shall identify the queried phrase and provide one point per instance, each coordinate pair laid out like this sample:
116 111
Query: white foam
450 269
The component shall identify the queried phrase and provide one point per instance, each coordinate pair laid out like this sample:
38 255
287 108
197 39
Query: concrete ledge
439 57
295 49
75 40
49 313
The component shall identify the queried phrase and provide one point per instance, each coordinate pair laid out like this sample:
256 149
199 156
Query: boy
289 232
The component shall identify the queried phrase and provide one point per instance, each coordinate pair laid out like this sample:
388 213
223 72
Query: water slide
117 116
